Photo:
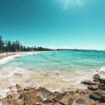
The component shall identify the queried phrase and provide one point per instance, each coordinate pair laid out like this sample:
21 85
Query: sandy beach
52 88
8 78
4 55
29 74
8 54
93 95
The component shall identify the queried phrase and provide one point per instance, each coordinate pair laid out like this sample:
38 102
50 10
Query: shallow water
56 70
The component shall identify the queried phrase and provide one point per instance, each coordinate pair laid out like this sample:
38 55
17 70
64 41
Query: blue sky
54 23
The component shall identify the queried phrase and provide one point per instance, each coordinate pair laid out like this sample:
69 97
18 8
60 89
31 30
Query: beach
48 72
8 78
93 95
7 54
45 69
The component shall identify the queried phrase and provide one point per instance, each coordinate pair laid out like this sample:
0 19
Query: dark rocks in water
102 81
82 99
98 95
93 87
94 95
96 77
101 86
42 96
89 83
97 88
98 84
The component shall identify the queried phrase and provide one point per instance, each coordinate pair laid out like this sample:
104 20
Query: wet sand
8 78
94 94
7 54
51 80
54 81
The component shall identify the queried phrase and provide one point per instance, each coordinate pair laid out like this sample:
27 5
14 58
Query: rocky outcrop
97 88
93 95
93 87
96 78
89 82
98 95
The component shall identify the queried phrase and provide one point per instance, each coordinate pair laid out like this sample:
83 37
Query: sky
54 23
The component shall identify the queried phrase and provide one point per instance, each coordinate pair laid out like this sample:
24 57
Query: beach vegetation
16 46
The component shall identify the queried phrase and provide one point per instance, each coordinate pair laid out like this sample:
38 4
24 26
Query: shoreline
4 57
41 78
93 95
8 54
16 93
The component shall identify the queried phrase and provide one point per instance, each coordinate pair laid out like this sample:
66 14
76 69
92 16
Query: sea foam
9 58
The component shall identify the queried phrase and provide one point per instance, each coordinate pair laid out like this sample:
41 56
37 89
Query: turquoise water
59 60
66 69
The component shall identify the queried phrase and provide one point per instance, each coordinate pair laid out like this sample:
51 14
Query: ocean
55 70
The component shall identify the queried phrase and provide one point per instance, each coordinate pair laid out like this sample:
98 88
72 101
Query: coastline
15 93
7 54
10 55
46 79
93 95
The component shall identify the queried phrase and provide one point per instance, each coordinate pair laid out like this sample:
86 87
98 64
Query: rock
45 94
95 96
28 89
101 87
102 81
67 99
42 96
18 86
98 95
96 77
12 102
12 99
89 83
80 101
93 87
20 91
30 97
57 96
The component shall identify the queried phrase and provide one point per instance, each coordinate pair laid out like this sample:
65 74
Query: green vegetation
9 46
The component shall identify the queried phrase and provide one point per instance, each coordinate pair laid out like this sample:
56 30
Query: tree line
16 46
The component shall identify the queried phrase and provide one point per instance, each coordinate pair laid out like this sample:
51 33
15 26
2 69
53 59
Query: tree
16 46
1 44
8 46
